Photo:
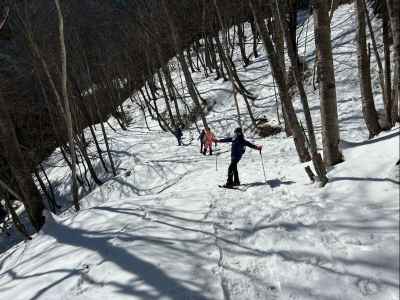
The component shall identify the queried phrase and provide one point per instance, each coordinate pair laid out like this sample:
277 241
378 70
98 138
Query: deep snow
162 229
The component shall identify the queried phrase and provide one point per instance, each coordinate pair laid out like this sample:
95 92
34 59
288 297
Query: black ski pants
233 175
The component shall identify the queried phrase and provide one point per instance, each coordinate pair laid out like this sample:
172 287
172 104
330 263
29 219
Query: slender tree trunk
213 55
197 47
191 88
316 158
171 90
167 101
45 192
81 142
255 37
292 24
378 58
67 104
146 102
388 78
99 151
242 45
327 84
280 77
53 196
394 13
188 78
368 105
207 54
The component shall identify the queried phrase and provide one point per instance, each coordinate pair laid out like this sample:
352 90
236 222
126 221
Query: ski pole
216 158
262 163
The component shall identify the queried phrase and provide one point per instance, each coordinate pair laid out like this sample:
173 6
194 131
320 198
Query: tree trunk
53 196
11 150
242 45
316 158
292 25
255 37
191 88
327 84
213 55
82 145
67 104
170 85
368 105
394 12
377 56
45 192
388 78
280 77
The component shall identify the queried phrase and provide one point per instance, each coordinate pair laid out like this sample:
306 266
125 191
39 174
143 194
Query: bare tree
281 79
327 84
312 143
367 99
68 113
394 13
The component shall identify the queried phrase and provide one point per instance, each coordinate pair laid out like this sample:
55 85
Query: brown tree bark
68 113
242 45
280 77
394 13
327 84
367 99
388 75
292 52
378 62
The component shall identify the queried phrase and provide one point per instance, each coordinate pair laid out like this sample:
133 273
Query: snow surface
162 229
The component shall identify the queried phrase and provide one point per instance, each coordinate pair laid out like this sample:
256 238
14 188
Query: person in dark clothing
3 216
238 148
201 138
178 134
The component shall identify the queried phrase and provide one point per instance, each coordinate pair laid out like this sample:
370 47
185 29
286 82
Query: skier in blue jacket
178 134
238 148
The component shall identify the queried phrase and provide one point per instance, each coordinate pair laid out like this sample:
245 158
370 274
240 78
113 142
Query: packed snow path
162 229
189 239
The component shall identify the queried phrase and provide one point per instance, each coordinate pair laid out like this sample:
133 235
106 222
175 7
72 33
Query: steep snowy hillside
163 229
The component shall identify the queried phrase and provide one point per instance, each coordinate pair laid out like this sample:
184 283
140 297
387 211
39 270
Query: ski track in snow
162 229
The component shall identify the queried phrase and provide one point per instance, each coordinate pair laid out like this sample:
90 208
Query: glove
259 148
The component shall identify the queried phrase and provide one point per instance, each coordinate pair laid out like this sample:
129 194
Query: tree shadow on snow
159 280
363 179
347 144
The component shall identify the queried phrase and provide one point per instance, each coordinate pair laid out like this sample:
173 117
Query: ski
232 188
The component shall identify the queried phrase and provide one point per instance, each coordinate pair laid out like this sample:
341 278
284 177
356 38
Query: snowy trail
184 238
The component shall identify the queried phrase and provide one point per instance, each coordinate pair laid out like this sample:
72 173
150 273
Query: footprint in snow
367 287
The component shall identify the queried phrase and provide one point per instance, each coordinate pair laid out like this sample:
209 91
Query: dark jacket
3 214
238 145
201 136
178 133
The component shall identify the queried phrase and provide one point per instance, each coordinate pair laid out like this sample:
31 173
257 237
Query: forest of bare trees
69 65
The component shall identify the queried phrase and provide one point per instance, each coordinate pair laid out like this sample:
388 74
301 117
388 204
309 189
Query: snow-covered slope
162 229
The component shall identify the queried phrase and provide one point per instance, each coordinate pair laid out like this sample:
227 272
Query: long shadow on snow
149 273
363 179
306 257
372 141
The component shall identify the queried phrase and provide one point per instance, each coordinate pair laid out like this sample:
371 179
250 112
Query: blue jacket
178 132
238 145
